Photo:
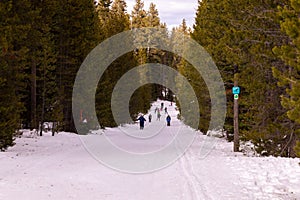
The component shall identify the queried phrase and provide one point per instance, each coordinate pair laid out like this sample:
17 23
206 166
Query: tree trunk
43 101
33 123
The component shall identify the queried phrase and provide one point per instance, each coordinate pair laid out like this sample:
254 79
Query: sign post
236 92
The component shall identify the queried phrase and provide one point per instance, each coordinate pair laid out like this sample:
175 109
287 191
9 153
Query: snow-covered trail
60 167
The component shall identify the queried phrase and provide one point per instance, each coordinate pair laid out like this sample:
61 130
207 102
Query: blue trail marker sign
236 90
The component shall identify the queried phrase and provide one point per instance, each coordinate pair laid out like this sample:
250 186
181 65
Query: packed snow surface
62 167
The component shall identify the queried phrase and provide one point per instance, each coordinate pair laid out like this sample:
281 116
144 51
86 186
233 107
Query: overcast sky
171 11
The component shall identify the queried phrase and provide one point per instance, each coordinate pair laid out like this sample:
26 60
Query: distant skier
168 120
166 110
161 106
150 118
142 122
158 115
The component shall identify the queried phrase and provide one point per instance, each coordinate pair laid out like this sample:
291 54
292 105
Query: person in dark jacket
168 120
150 117
142 121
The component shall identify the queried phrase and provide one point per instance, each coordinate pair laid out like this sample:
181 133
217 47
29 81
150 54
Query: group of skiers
142 119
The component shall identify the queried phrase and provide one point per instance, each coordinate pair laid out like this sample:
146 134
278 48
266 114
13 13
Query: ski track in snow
59 167
193 183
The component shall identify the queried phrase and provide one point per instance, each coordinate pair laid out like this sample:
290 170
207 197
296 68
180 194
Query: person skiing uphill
158 115
142 122
168 120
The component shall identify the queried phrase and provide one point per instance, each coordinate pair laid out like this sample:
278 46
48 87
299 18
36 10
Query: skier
150 117
158 115
168 120
166 110
161 106
142 121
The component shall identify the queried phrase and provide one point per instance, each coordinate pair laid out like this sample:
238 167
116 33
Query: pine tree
42 60
75 35
19 19
153 16
114 20
10 71
48 109
289 76
208 32
186 69
138 15
104 16
139 19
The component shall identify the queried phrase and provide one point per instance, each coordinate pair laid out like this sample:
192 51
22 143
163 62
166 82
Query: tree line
261 40
43 44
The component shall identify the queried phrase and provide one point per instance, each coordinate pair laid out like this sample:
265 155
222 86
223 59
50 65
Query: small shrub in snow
28 133
248 149
216 133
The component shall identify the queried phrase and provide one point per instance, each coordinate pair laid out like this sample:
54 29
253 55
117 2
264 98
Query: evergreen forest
253 43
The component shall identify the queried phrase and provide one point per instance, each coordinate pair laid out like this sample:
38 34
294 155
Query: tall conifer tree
9 70
289 76
76 34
